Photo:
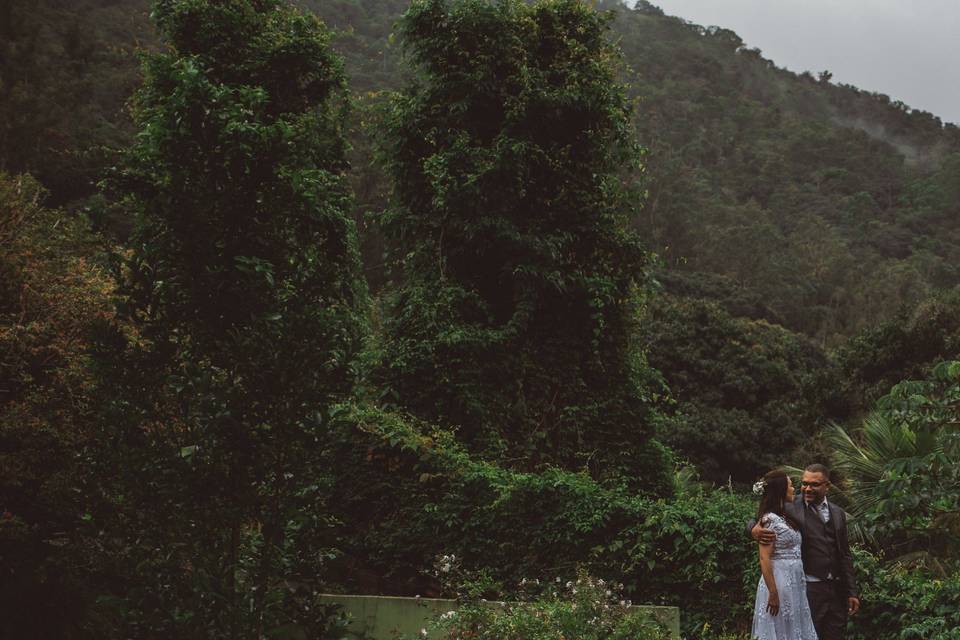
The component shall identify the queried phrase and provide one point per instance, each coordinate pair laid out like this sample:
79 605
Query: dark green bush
749 393
409 495
903 603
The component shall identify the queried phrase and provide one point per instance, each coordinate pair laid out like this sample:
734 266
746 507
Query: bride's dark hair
774 497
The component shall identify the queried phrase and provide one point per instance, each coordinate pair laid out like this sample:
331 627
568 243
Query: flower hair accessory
758 487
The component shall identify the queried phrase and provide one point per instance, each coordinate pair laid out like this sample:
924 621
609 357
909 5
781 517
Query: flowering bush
586 608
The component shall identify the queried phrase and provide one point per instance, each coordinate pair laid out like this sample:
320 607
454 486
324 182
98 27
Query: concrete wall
386 618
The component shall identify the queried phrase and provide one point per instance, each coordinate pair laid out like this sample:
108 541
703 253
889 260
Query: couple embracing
807 586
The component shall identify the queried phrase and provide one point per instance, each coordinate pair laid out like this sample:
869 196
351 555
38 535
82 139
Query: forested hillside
298 296
833 205
66 71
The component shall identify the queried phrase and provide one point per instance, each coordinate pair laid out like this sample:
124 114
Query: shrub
408 496
902 468
51 294
902 603
749 392
587 609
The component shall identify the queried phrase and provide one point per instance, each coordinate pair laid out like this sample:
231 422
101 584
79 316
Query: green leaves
256 265
411 492
902 468
514 267
748 393
901 602
244 310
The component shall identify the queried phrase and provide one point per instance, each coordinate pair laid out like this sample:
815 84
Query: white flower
758 487
423 632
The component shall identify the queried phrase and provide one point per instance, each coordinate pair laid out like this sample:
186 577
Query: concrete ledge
388 617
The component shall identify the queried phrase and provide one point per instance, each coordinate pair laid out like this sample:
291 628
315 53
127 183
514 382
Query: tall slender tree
244 304
517 278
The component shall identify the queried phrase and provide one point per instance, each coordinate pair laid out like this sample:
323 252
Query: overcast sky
907 49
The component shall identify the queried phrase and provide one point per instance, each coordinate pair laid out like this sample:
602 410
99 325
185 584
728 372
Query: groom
831 583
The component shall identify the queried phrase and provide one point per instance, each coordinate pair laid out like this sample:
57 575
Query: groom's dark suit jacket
826 547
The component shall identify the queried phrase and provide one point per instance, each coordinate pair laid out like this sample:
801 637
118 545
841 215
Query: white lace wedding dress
794 621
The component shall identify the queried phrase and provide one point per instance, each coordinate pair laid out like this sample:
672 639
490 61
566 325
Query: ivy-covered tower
517 278
242 309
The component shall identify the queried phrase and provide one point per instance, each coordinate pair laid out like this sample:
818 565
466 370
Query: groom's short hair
818 468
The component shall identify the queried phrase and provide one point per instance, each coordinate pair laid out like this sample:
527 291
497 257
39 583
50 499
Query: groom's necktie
822 511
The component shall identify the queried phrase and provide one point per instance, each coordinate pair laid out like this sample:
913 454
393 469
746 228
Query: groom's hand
763 536
853 605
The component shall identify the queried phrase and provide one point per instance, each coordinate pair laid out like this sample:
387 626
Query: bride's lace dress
794 621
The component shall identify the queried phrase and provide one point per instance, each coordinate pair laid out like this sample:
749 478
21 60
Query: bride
781 611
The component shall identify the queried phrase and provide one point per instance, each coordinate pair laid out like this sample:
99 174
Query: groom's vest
820 554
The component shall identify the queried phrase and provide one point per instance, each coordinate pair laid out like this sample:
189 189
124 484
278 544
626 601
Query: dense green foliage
516 275
217 463
410 494
903 469
243 312
901 479
51 293
66 69
819 207
845 198
901 348
902 603
749 394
